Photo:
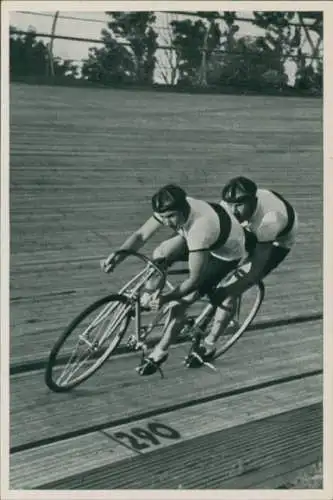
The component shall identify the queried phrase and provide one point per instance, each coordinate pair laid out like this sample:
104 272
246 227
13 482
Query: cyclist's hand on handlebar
108 264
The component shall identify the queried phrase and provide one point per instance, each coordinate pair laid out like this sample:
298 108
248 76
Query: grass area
310 478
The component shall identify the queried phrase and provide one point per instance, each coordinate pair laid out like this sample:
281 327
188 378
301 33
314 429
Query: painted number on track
140 439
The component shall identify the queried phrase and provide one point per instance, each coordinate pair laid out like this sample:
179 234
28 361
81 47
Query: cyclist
208 236
273 222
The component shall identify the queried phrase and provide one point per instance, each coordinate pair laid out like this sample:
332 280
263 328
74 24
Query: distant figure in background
274 223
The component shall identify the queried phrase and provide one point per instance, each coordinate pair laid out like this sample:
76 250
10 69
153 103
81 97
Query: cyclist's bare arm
197 263
134 242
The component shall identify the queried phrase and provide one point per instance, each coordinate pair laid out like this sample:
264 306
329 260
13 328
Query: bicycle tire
51 363
246 323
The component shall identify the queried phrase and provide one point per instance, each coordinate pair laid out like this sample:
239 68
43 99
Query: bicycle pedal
153 366
139 370
193 360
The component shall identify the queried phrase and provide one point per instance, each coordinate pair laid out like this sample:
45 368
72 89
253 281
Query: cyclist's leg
173 326
217 269
281 248
172 250
223 314
278 255
168 252
225 310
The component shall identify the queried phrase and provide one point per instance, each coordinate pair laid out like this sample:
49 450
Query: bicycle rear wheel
87 342
246 309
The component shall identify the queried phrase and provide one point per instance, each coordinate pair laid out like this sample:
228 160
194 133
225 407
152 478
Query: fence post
50 44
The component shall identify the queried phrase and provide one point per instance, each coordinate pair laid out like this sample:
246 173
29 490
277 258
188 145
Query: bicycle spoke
104 313
246 309
95 338
74 364
91 337
75 368
113 325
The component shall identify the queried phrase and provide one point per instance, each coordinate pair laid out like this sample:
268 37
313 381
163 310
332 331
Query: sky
90 24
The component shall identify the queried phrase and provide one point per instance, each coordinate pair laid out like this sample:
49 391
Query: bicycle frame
117 310
136 341
132 291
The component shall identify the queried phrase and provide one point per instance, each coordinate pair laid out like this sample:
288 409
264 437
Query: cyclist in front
273 222
209 237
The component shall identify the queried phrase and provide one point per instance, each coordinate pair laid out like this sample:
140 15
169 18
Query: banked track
68 178
285 398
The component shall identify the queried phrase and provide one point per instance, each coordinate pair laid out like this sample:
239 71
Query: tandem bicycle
101 329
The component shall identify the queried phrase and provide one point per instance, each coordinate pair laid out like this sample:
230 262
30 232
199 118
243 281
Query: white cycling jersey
212 227
272 218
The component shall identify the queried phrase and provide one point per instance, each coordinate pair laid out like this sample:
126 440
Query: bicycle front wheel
87 342
246 309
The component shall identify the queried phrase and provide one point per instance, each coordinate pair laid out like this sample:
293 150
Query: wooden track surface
55 437
84 164
249 456
113 457
117 391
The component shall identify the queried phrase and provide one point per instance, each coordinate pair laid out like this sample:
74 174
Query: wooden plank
31 468
116 390
73 184
37 322
236 458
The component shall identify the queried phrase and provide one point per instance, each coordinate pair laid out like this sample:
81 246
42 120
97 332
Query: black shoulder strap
290 214
225 225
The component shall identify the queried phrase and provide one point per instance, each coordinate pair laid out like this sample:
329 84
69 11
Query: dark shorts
175 250
278 255
218 270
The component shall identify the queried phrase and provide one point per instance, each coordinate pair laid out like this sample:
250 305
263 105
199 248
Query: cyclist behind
208 236
273 222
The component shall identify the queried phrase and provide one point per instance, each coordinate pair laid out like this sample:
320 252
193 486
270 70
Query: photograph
163 250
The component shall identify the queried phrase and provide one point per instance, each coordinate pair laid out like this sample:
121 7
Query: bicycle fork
136 341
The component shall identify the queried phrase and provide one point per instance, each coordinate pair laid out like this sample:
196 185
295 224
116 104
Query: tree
248 63
111 64
29 57
136 28
65 67
309 74
194 42
309 77
280 34
211 54
290 38
169 70
128 54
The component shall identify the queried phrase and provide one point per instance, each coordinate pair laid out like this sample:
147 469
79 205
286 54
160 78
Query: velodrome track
84 164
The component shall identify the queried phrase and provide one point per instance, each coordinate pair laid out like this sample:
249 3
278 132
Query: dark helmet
170 197
239 189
